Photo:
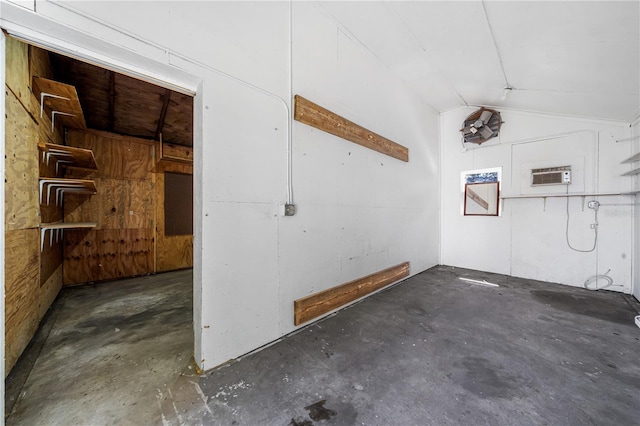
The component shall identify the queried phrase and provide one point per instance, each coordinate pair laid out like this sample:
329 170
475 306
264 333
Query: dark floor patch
300 422
591 305
486 380
318 412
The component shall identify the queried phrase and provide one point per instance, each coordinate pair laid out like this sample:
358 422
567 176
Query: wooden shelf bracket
49 95
56 230
62 185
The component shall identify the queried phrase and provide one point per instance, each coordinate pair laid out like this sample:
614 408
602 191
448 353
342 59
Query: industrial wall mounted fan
481 126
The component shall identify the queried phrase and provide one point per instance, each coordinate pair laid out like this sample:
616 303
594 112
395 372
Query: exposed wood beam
163 112
316 116
112 100
320 303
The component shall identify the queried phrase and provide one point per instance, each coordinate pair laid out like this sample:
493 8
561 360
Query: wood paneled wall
32 278
129 239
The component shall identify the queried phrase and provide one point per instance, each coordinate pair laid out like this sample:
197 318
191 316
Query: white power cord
595 278
592 205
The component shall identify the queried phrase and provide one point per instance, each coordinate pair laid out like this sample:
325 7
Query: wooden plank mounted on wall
316 116
320 303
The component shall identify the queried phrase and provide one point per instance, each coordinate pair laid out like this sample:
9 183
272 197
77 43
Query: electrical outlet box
289 209
566 176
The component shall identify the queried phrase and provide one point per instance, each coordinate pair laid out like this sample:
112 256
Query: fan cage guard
495 122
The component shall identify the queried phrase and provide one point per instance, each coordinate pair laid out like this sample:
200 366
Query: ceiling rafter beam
163 113
495 45
112 100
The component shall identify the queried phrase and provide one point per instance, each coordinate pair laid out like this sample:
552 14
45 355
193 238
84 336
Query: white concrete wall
636 215
528 240
358 211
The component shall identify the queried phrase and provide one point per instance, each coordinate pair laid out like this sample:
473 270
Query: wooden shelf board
317 304
321 118
71 156
68 225
67 102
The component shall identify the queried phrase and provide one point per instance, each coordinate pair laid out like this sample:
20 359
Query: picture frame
482 199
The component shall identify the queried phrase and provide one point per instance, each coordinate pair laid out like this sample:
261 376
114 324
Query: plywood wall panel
49 290
40 63
21 167
83 208
139 161
139 211
136 252
21 281
17 76
81 256
118 157
32 279
50 261
108 252
175 252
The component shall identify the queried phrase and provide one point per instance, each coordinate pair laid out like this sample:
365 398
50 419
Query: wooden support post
317 304
316 116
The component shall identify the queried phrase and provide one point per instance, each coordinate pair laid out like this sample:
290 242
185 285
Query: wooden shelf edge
68 225
72 156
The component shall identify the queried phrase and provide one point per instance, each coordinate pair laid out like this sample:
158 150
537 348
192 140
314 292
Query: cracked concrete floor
433 350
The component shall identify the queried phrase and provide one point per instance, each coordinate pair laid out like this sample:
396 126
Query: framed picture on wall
481 199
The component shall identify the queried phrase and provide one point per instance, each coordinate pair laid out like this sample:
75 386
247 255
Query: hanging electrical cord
594 225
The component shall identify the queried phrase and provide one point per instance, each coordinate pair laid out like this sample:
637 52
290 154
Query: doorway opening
88 153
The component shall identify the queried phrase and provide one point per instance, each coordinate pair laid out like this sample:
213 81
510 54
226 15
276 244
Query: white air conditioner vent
551 176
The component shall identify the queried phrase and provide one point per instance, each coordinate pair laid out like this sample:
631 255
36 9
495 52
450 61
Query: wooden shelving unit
62 102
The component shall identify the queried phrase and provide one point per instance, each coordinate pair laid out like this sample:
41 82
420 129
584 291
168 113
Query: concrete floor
433 350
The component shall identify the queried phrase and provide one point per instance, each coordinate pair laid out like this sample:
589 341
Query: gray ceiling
562 57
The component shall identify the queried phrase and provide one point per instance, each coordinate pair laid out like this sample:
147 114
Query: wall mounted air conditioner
551 176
